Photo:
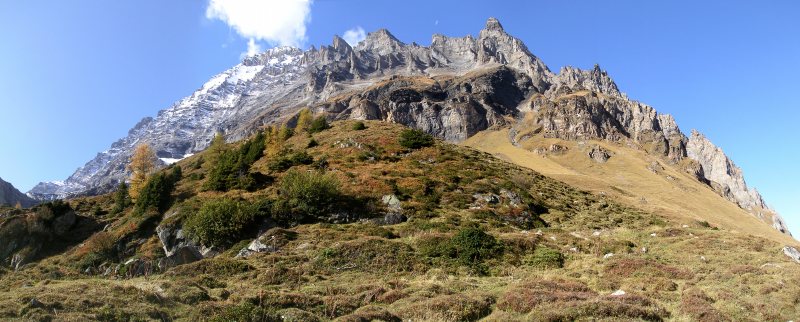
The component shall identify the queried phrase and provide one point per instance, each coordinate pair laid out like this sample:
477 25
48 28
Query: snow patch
244 73
169 161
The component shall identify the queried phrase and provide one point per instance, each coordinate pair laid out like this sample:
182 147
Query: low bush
358 126
469 247
319 124
49 211
223 222
473 245
289 160
545 257
370 254
306 195
415 139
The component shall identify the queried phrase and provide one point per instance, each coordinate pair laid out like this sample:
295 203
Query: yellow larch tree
142 166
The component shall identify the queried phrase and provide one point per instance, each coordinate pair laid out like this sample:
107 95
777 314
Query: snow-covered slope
189 125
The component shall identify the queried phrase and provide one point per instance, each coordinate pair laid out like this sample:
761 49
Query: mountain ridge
340 81
10 196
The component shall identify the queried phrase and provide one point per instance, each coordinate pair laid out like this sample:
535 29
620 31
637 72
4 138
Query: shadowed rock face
453 89
10 196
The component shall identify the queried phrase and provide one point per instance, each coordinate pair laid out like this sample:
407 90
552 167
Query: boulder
269 242
392 203
599 154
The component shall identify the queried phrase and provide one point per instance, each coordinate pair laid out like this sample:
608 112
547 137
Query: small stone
618 293
607 256
596 233
653 235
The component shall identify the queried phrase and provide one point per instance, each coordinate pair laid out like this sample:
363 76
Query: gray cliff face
614 118
453 89
725 176
10 196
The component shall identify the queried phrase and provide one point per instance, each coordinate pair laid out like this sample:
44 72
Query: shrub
222 222
415 139
469 247
312 143
358 126
51 210
473 245
289 160
306 195
370 254
545 257
319 124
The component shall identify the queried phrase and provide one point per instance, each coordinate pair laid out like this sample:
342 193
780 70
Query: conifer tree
304 119
215 149
121 198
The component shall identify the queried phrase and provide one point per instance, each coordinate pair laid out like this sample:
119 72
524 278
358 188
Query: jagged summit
482 82
492 24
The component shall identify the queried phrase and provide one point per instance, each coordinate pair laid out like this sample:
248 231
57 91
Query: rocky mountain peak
492 24
340 44
381 42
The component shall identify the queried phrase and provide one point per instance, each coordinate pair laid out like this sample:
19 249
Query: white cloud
253 48
354 36
277 22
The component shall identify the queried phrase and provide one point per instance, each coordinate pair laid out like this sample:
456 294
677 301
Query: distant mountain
454 88
10 196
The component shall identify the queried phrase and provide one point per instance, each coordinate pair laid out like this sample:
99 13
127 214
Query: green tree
304 119
156 194
121 198
216 148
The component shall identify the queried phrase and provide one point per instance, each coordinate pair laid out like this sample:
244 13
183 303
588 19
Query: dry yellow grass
670 192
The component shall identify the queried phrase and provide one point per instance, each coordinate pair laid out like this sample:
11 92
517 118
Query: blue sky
76 75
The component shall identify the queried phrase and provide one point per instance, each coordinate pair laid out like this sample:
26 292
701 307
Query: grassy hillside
631 176
484 239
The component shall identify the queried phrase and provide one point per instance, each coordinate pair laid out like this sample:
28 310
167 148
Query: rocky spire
381 42
340 45
492 24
